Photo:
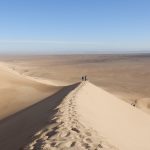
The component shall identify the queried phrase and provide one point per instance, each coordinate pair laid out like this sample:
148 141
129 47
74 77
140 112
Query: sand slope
91 118
124 125
18 92
131 72
67 132
80 116
17 130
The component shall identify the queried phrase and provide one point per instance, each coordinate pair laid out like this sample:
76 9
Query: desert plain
45 105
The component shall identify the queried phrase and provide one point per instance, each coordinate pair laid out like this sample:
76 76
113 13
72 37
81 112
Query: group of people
84 78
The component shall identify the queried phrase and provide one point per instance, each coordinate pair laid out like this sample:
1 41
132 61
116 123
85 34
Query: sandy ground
124 125
76 116
18 129
18 92
91 118
67 131
126 76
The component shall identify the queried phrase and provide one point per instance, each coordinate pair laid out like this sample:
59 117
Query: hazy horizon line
79 53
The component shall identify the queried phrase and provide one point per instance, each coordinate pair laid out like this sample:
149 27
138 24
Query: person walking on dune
85 78
82 78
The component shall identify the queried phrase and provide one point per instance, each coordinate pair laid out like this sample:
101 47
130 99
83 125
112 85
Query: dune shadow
17 129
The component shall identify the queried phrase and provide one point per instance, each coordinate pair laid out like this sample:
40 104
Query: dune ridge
17 129
18 92
130 70
87 118
67 132
124 125
91 118
11 68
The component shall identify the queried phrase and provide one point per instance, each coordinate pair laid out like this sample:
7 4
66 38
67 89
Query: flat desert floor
44 104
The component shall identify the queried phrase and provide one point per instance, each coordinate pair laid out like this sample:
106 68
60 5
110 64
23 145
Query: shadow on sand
17 129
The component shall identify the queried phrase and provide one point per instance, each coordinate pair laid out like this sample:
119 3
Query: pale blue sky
47 26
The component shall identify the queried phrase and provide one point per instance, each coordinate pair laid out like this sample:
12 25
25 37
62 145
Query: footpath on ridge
67 132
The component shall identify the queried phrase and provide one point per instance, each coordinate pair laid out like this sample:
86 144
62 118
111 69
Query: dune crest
67 132
121 123
12 68
18 92
91 118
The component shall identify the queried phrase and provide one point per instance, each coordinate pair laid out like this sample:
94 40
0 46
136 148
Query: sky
54 26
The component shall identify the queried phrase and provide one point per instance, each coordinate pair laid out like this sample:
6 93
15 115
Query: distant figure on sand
84 78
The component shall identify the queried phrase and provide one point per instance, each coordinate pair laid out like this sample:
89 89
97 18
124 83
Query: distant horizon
78 53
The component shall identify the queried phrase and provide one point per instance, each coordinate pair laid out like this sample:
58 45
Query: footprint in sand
67 133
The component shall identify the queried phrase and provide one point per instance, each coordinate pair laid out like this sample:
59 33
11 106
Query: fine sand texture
124 125
126 76
91 118
18 92
18 129
41 108
66 132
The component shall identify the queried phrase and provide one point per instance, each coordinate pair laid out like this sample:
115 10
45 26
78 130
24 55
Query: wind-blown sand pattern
67 132
49 112
131 72
18 92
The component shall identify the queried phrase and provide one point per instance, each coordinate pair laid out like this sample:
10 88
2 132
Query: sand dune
131 72
17 130
66 131
18 92
11 68
91 118
79 116
124 125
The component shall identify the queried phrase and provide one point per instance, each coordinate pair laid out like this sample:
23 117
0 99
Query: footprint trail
66 132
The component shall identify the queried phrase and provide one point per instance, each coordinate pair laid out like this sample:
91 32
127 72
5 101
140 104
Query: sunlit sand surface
44 104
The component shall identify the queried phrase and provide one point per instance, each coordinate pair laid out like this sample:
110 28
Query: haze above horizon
43 27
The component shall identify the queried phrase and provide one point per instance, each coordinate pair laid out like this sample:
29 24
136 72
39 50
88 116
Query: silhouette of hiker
82 78
85 78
